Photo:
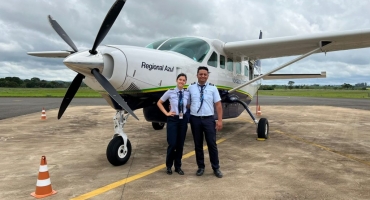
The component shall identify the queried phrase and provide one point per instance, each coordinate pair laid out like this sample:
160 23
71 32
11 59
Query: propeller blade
70 94
62 33
111 91
107 23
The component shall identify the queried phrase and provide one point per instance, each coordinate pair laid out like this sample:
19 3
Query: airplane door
178 71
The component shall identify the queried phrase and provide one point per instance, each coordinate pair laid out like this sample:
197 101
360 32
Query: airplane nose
83 62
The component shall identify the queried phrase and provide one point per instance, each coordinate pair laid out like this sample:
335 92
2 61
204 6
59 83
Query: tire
263 128
116 154
157 126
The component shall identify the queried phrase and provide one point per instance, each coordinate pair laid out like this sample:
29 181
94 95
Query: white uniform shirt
211 96
173 96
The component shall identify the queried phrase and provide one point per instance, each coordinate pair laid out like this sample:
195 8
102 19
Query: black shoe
217 173
179 171
169 171
200 172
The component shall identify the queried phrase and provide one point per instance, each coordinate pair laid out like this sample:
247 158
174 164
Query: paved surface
314 152
11 107
363 104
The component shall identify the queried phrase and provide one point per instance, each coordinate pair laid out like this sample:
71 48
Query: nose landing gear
119 148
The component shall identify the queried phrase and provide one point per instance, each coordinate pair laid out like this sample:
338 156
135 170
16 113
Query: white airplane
131 78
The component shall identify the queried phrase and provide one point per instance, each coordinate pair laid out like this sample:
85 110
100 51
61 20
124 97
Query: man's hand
218 125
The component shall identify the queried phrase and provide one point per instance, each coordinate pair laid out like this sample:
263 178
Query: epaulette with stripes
193 83
211 84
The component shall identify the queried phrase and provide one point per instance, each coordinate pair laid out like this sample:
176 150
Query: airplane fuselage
141 75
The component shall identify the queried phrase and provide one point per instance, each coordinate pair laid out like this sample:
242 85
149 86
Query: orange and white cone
259 110
43 114
43 184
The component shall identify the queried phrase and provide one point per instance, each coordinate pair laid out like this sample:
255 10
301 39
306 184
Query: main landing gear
157 125
119 148
262 124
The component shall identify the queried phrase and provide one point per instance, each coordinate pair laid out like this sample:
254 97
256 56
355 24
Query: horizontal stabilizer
50 54
293 76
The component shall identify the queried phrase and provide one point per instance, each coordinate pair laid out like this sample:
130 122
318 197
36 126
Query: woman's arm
161 107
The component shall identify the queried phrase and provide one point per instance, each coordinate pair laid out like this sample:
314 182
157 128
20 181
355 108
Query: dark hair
202 68
181 74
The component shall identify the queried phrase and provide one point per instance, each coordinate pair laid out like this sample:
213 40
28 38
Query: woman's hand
172 113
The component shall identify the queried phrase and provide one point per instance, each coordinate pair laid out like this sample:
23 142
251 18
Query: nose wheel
117 152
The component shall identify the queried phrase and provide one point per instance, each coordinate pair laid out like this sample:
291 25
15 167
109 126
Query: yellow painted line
132 178
324 147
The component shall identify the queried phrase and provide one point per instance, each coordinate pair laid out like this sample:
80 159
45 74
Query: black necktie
180 102
201 97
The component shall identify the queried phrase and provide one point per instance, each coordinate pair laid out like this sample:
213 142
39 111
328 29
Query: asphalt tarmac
12 107
314 152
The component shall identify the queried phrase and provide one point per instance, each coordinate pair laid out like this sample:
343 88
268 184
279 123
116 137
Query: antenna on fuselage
258 61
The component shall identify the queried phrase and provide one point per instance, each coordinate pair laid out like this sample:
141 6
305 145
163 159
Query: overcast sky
24 27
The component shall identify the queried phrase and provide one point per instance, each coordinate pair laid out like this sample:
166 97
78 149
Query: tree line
16 82
290 85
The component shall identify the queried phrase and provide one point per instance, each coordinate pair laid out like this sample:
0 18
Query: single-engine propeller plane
131 78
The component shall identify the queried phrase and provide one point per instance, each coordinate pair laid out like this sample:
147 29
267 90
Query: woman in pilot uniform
177 122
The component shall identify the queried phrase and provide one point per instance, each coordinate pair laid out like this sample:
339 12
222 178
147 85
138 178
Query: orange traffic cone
259 110
43 114
43 184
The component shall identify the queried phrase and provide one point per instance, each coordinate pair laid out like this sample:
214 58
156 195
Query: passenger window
213 60
222 62
230 64
245 70
238 67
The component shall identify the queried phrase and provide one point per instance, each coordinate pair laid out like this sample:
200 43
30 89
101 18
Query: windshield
193 48
156 44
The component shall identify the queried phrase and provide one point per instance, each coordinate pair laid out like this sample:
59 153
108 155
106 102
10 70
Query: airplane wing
50 54
298 45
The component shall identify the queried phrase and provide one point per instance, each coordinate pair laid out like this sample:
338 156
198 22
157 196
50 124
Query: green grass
87 92
45 92
357 94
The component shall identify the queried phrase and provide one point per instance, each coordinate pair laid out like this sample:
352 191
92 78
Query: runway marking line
133 178
323 147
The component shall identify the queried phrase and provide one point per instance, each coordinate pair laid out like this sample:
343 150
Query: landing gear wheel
157 126
263 128
117 153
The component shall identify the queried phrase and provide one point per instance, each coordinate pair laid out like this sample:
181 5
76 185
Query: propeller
107 23
70 94
62 33
112 92
104 29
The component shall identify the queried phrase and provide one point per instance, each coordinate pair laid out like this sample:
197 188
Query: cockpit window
156 44
193 48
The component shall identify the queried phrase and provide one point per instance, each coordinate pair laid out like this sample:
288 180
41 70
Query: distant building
361 85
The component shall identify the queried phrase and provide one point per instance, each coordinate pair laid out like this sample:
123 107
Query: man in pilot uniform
204 96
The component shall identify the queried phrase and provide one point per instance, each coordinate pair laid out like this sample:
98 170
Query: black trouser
208 127
176 133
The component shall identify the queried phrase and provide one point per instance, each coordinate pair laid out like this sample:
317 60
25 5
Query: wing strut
322 44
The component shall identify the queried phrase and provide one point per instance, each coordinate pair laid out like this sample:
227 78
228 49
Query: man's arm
219 115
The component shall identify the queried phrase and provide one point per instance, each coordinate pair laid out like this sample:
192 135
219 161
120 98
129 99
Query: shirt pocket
208 96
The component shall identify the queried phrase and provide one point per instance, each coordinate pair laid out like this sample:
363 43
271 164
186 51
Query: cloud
142 22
